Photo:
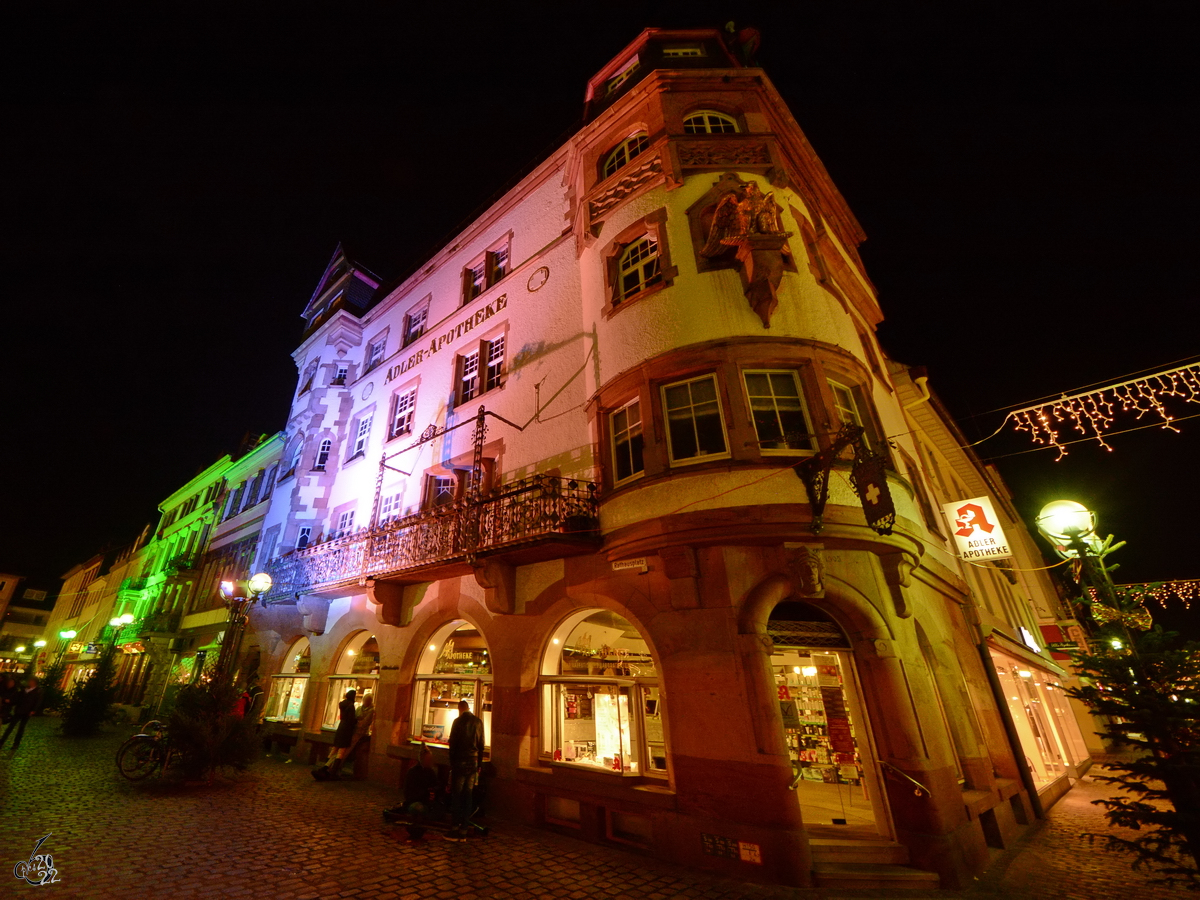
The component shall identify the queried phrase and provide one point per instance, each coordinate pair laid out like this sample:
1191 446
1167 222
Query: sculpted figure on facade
749 221
806 568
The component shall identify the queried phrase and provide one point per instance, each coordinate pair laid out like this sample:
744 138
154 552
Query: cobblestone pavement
274 832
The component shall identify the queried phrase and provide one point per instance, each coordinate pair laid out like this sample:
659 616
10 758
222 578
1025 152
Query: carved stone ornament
724 153
806 569
636 177
748 221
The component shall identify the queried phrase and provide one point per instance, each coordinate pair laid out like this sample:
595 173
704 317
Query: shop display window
1043 718
455 666
601 704
288 687
357 668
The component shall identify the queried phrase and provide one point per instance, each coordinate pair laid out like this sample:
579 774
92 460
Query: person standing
466 754
9 691
342 739
26 704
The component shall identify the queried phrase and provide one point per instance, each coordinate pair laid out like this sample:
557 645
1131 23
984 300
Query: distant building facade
625 467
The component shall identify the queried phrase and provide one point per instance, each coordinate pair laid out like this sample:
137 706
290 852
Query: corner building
555 472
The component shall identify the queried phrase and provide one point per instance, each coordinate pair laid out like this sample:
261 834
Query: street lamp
117 623
1071 529
239 597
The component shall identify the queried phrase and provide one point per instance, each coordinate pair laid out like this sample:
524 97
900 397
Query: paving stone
274 832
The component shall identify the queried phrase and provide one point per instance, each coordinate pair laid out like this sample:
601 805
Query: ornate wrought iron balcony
157 623
527 512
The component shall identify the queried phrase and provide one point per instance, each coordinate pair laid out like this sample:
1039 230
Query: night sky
177 181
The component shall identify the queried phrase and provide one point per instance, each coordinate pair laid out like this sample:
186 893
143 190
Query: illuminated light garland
1184 591
1092 413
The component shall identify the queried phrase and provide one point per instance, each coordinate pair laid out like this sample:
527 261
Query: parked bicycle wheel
139 757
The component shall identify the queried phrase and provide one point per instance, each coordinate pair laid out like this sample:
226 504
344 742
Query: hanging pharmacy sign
977 531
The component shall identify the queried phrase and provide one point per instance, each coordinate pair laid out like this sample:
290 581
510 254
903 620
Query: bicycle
146 752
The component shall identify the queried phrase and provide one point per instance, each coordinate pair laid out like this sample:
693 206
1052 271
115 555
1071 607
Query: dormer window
621 154
682 51
709 121
627 71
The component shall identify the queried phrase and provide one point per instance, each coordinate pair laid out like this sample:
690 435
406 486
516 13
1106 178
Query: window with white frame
709 121
345 524
303 537
627 441
621 154
404 406
601 706
485 271
375 353
340 373
468 379
777 410
638 267
389 506
475 379
695 423
322 455
362 431
455 666
849 409
414 323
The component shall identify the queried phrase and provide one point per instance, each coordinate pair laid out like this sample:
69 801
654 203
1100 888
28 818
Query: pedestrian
365 717
466 754
343 738
423 796
9 691
27 703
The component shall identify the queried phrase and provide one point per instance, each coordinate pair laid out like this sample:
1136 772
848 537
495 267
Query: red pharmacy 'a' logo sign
968 517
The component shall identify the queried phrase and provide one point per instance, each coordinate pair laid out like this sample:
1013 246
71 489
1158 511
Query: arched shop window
601 703
454 666
357 668
288 687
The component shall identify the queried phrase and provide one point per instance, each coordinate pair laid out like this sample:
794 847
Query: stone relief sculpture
749 222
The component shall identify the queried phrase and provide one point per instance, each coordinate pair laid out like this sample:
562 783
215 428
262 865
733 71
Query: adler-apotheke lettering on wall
977 531
449 337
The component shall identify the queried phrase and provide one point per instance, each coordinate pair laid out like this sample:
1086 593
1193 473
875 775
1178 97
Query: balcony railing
180 565
158 623
133 584
525 512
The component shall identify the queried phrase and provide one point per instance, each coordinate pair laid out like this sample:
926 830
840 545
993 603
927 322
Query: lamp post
64 639
117 623
1071 529
239 598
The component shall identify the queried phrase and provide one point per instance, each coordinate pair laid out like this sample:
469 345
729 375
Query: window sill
611 309
550 776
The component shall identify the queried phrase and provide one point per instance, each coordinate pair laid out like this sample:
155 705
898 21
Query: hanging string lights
1093 413
1183 591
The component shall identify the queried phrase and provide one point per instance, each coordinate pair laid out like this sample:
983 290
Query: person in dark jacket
343 738
423 796
466 754
26 704
9 691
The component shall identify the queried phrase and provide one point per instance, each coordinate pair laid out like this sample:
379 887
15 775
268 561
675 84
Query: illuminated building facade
624 466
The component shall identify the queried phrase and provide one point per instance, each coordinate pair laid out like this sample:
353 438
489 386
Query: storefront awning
1002 642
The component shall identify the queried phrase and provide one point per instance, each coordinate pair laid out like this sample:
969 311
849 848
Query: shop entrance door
834 773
